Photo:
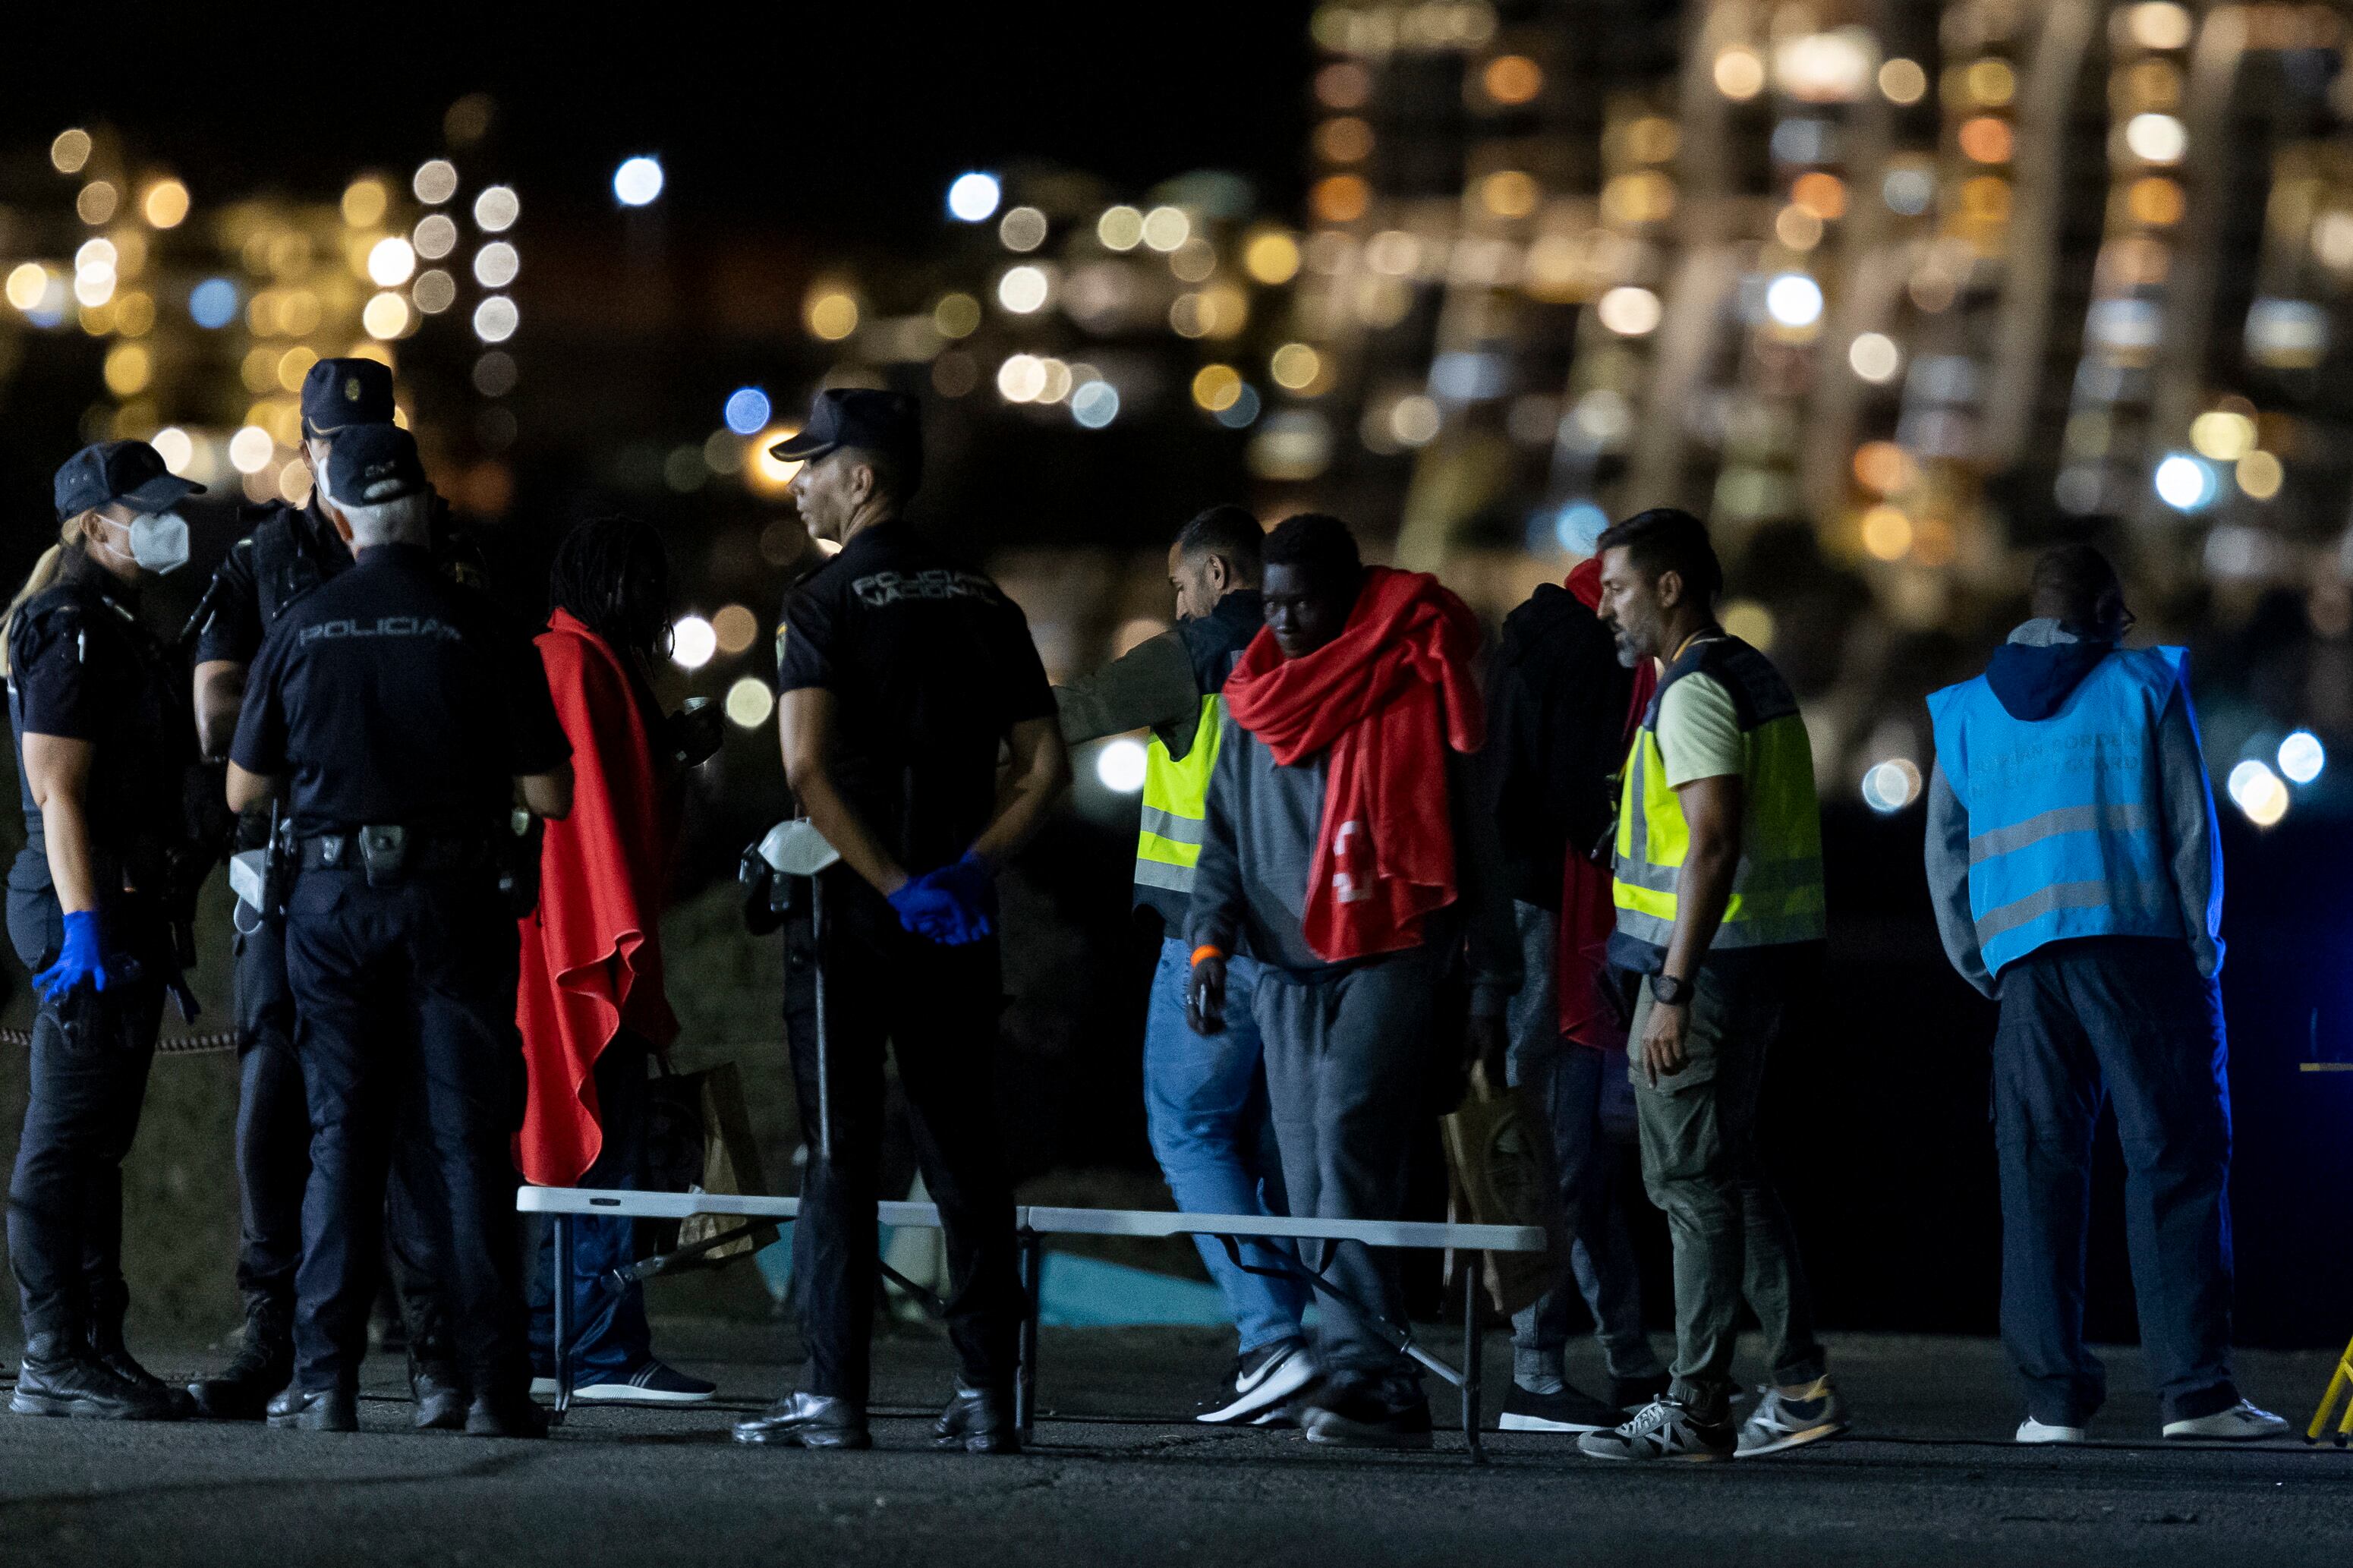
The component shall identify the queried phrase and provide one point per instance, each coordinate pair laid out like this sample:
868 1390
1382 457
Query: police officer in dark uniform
102 743
287 551
402 717
902 674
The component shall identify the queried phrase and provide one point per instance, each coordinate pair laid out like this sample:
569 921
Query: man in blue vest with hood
2077 879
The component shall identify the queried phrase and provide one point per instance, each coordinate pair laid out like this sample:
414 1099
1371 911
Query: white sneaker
1260 1385
2032 1431
654 1382
2243 1422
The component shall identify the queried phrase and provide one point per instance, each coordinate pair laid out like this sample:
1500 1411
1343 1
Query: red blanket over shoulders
592 951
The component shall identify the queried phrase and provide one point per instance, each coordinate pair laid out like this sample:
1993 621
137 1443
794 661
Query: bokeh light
1023 289
831 315
1022 229
2258 792
251 450
1094 404
693 642
735 627
495 319
1794 300
2185 483
1271 257
496 264
2302 757
212 304
1120 228
364 202
436 235
973 198
1295 366
1216 387
165 205
390 261
1875 357
1891 786
749 703
1120 766
747 410
1512 79
1903 82
386 317
436 181
496 209
69 151
638 181
1629 311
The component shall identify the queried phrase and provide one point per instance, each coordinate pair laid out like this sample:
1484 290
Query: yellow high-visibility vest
1777 890
1176 804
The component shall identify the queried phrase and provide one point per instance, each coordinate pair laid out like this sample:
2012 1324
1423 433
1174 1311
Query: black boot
61 1378
505 1409
320 1410
811 1420
108 1304
978 1421
263 1364
440 1395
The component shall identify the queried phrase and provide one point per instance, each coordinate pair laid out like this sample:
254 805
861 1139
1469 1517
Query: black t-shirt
244 608
931 666
81 666
392 695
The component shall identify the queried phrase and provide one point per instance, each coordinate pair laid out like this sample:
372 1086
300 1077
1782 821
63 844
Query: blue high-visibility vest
2066 813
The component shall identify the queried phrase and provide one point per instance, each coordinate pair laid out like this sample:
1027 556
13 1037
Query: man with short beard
1718 887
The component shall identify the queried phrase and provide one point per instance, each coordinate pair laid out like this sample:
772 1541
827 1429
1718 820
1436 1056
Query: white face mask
160 543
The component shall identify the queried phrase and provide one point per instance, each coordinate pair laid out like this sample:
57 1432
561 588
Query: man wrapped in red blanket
591 1005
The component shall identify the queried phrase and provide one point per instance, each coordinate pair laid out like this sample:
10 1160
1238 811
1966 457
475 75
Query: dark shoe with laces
505 1415
315 1410
440 1395
978 1421
263 1364
59 1376
1358 1417
1630 1394
1566 1409
807 1421
108 1351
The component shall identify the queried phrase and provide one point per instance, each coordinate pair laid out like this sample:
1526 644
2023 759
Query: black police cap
373 464
343 391
891 422
132 472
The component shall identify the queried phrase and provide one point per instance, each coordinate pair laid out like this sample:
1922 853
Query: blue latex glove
78 960
925 909
971 883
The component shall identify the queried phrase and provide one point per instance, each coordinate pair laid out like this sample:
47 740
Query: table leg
1471 1360
1025 1383
562 1270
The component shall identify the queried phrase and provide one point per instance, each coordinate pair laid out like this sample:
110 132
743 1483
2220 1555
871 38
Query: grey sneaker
1662 1430
2243 1422
1785 1420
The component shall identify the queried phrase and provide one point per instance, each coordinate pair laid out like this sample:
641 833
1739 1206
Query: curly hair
613 575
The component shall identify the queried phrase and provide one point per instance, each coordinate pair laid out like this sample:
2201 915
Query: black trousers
273 1156
90 1061
937 1006
402 994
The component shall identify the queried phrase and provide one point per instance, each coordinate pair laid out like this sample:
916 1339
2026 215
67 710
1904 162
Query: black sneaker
263 1364
1570 1410
1260 1385
1355 1416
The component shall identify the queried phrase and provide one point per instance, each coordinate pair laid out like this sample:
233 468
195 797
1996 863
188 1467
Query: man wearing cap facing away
402 718
901 674
287 552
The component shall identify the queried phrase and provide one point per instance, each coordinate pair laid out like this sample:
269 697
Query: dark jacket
1557 700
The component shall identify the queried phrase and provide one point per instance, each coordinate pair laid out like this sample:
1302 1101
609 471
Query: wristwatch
1671 991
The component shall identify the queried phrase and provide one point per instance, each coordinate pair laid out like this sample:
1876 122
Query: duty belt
394 850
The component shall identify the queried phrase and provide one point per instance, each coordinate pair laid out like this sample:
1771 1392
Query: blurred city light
637 182
2156 137
1578 525
69 151
496 264
2302 757
165 203
436 235
1891 786
749 701
2260 475
495 319
2258 792
251 450
172 444
1216 387
496 209
1023 291
391 262
364 202
212 304
763 472
1629 311
1166 228
1022 228
434 291
973 198
436 182
1120 228
1095 405
1120 766
1875 357
386 317
747 410
2185 483
1903 82
831 315
735 627
693 642
1794 300
1239 413
1271 257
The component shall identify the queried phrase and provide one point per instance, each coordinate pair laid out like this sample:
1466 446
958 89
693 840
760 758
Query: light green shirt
1699 731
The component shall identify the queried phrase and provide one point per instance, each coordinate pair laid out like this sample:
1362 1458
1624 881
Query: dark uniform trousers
273 1155
938 1007
403 991
89 1079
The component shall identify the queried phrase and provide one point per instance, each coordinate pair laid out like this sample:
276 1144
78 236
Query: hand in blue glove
925 909
971 883
950 905
78 960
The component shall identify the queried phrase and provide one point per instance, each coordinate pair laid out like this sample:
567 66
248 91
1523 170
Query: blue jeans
610 1339
2132 1019
1205 1104
1580 1095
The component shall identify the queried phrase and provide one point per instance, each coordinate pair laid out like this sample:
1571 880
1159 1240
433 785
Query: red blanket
592 951
1587 913
1385 699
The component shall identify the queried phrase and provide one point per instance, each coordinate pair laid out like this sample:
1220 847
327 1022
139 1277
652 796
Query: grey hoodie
2193 850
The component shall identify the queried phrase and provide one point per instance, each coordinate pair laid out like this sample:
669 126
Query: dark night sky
843 123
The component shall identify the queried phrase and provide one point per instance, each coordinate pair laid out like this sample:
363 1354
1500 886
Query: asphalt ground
1926 1476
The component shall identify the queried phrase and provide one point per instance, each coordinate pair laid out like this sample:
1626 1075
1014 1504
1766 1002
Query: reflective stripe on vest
1777 888
1176 804
2065 815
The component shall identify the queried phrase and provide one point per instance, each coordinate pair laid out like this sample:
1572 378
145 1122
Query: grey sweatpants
1346 1065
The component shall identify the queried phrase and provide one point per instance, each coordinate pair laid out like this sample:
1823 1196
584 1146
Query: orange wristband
1205 951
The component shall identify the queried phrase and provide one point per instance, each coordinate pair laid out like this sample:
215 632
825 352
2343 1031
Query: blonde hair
44 572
